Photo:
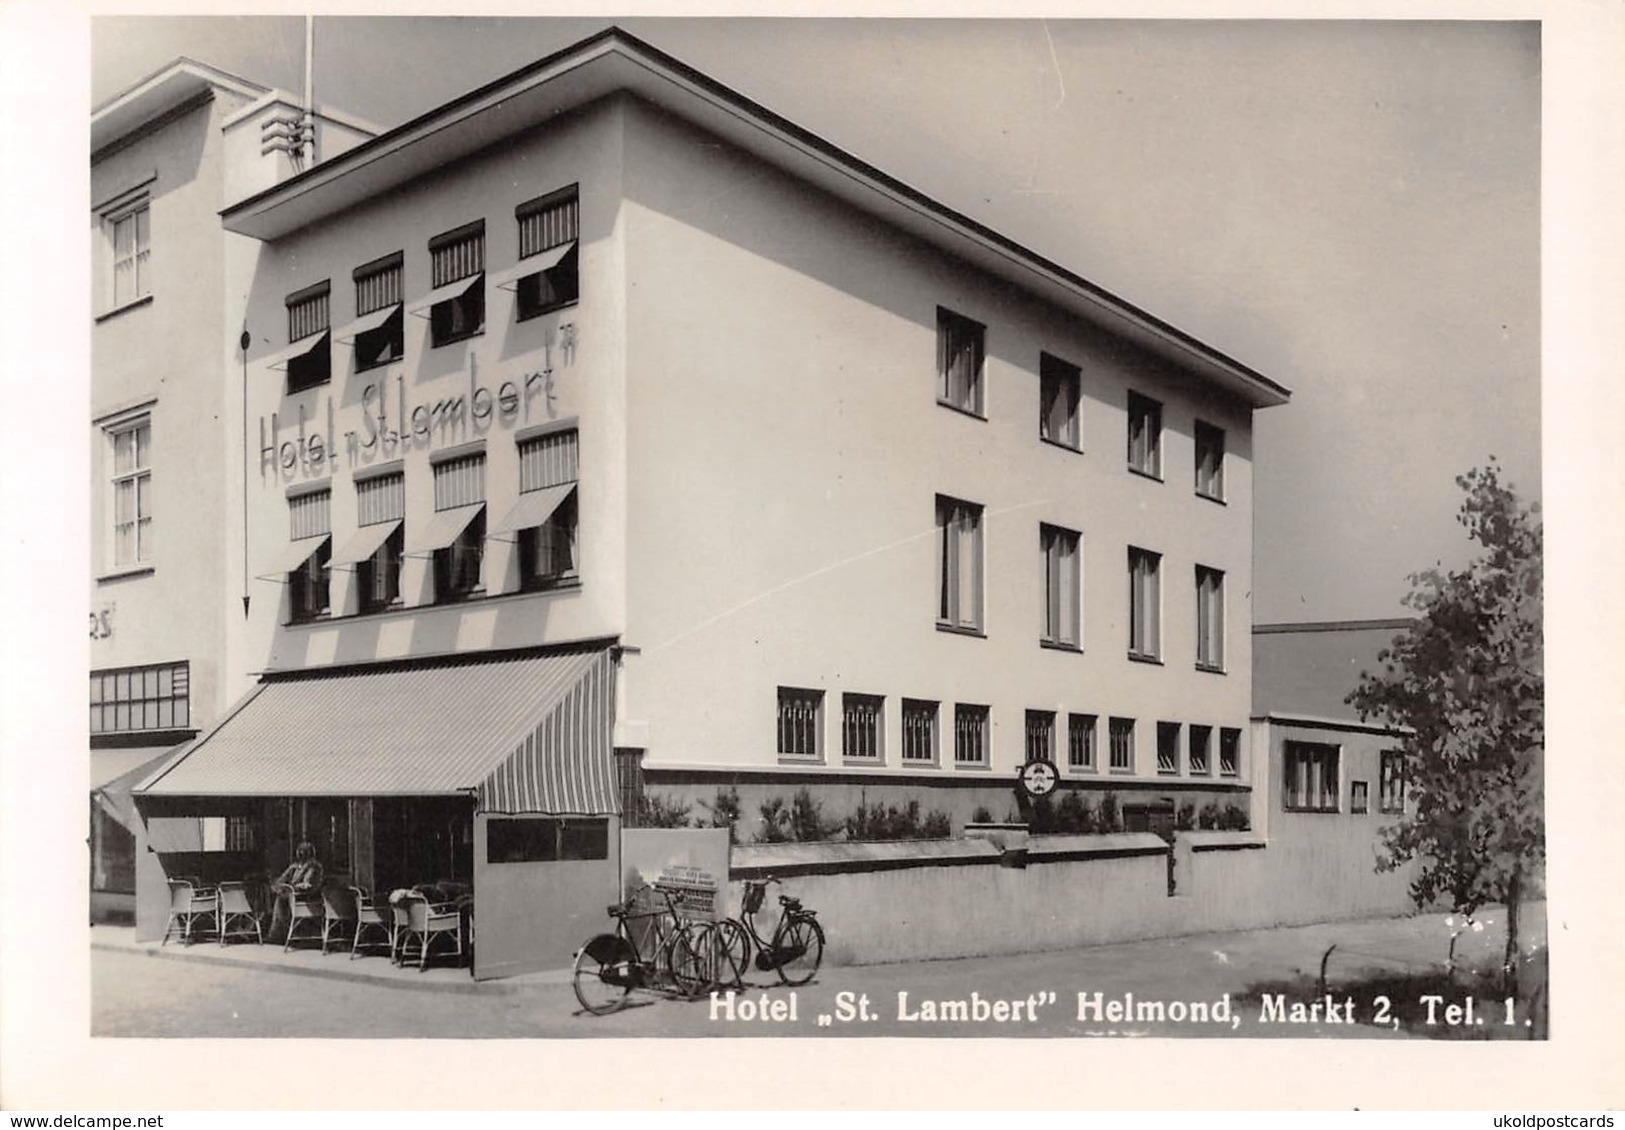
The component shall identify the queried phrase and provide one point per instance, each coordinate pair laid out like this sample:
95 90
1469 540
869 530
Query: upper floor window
1168 747
959 565
127 240
960 345
1229 752
310 525
970 734
140 698
549 256
801 723
310 355
456 305
1209 619
1060 551
379 332
1059 389
131 441
919 731
545 519
1209 461
1391 781
863 726
1080 742
1144 604
380 540
1311 777
1144 435
459 502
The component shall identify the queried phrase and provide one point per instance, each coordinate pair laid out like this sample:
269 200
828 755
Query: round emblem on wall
1039 778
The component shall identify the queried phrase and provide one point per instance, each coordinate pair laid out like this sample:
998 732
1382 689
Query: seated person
302 878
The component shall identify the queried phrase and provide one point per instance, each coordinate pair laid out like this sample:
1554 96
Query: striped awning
534 265
114 772
521 734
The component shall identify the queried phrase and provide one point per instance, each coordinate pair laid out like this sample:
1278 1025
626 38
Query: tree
1465 683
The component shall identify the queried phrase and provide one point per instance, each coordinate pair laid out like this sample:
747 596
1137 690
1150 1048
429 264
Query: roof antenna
309 125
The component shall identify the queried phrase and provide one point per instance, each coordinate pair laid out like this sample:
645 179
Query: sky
1350 207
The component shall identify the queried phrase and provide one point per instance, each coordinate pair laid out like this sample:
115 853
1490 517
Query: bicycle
795 951
610 966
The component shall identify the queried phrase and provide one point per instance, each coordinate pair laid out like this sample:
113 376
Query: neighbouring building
166 497
612 437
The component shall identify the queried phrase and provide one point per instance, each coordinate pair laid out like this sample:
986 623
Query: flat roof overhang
614 61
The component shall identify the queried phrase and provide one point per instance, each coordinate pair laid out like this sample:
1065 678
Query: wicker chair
304 907
426 921
190 905
338 916
237 917
368 917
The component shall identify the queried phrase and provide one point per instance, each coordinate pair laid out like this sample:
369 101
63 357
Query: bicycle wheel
729 954
801 947
684 962
603 974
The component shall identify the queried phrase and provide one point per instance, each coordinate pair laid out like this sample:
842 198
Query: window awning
533 508
115 772
522 734
295 554
304 347
445 293
533 265
444 528
366 323
364 543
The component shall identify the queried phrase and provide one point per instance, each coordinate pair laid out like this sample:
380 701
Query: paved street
192 994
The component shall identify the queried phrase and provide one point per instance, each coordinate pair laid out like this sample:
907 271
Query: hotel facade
607 436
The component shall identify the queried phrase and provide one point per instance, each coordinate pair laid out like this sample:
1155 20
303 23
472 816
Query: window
127 233
1040 735
959 565
141 698
1359 797
1059 388
1229 752
379 332
1144 435
1168 747
549 228
308 516
310 362
970 734
457 276
227 833
459 487
960 344
801 723
1144 604
378 501
547 514
1209 461
1122 745
546 839
1060 550
1080 742
1391 781
132 491
1209 619
862 726
1311 783
919 731
1201 739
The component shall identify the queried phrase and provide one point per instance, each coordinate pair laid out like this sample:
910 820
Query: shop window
801 723
131 699
457 275
920 731
970 735
1168 747
131 443
1059 390
1061 586
1144 435
960 358
1311 777
1080 742
546 839
1122 745
379 332
1209 619
549 253
862 726
1391 781
1144 604
959 565
310 356
1209 461
1229 752
1201 738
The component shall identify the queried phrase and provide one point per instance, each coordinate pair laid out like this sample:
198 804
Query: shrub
656 811
1235 818
1185 819
807 823
888 822
1111 814
724 810
775 822
1208 818
982 815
